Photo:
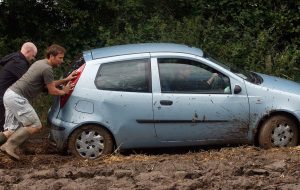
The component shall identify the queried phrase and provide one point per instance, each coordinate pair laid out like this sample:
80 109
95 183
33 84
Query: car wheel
90 142
278 131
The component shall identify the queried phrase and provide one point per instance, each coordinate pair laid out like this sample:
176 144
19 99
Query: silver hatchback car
163 95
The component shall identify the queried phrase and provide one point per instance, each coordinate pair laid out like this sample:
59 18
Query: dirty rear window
128 76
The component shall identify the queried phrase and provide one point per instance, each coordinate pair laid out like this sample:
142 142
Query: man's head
29 50
55 55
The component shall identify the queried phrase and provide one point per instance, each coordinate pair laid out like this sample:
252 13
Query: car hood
280 84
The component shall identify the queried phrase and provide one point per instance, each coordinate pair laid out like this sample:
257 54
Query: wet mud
244 167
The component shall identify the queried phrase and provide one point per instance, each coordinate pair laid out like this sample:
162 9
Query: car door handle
166 102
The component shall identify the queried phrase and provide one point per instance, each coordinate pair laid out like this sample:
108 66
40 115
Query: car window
244 74
129 76
188 76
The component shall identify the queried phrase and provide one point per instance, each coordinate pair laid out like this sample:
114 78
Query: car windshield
244 74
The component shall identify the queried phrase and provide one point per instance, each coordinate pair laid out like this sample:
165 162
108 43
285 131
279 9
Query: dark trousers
2 114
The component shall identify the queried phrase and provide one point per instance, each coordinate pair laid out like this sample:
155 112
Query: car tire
90 142
278 131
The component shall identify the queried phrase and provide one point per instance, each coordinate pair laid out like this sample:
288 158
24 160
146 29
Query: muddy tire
278 131
90 142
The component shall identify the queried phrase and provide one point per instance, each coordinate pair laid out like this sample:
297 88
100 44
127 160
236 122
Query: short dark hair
54 50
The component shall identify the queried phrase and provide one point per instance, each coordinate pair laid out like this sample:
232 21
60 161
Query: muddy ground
244 167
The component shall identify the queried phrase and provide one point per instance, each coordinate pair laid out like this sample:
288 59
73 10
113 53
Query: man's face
57 60
31 55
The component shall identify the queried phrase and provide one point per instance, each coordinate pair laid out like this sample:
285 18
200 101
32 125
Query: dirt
244 167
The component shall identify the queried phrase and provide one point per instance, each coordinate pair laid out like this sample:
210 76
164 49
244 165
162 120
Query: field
244 167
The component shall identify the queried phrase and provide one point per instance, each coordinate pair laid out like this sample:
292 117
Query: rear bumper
57 138
59 133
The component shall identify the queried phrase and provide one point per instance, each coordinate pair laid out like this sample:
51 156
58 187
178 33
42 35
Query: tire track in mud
223 168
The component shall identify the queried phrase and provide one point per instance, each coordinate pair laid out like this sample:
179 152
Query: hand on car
72 76
68 87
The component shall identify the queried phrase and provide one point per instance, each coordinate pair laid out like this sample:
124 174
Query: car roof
140 48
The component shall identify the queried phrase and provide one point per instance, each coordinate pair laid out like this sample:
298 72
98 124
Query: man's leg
17 138
2 115
11 124
3 138
18 110
10 119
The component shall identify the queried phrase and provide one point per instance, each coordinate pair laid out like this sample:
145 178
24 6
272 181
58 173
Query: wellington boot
3 138
13 142
26 148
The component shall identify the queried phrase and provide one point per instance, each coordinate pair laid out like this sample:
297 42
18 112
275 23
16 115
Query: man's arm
212 78
53 90
65 80
60 82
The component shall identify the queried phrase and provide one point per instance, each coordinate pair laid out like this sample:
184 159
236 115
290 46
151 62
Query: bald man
14 66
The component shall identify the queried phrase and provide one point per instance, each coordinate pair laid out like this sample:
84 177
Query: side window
188 76
128 76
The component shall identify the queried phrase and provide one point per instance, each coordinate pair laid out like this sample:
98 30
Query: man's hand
68 87
212 78
72 76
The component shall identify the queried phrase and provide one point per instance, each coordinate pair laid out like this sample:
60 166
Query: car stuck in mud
166 95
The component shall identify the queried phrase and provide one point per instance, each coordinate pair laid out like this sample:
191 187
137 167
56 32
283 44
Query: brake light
64 99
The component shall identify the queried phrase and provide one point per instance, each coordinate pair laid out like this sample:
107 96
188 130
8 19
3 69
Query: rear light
64 99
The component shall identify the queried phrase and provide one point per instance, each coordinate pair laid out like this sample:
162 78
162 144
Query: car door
123 98
190 106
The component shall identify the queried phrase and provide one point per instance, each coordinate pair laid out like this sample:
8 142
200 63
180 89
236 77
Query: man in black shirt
14 66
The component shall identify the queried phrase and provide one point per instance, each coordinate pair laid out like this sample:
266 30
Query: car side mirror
237 89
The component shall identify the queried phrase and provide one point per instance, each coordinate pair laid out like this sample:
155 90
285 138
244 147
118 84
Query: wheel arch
272 114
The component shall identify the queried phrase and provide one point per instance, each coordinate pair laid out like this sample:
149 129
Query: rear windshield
74 65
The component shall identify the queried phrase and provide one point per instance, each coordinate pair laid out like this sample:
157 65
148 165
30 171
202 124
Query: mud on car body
163 95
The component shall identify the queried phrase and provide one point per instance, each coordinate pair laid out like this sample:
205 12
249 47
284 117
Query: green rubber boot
3 138
13 142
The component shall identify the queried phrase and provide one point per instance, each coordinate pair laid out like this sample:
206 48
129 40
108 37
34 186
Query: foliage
256 35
